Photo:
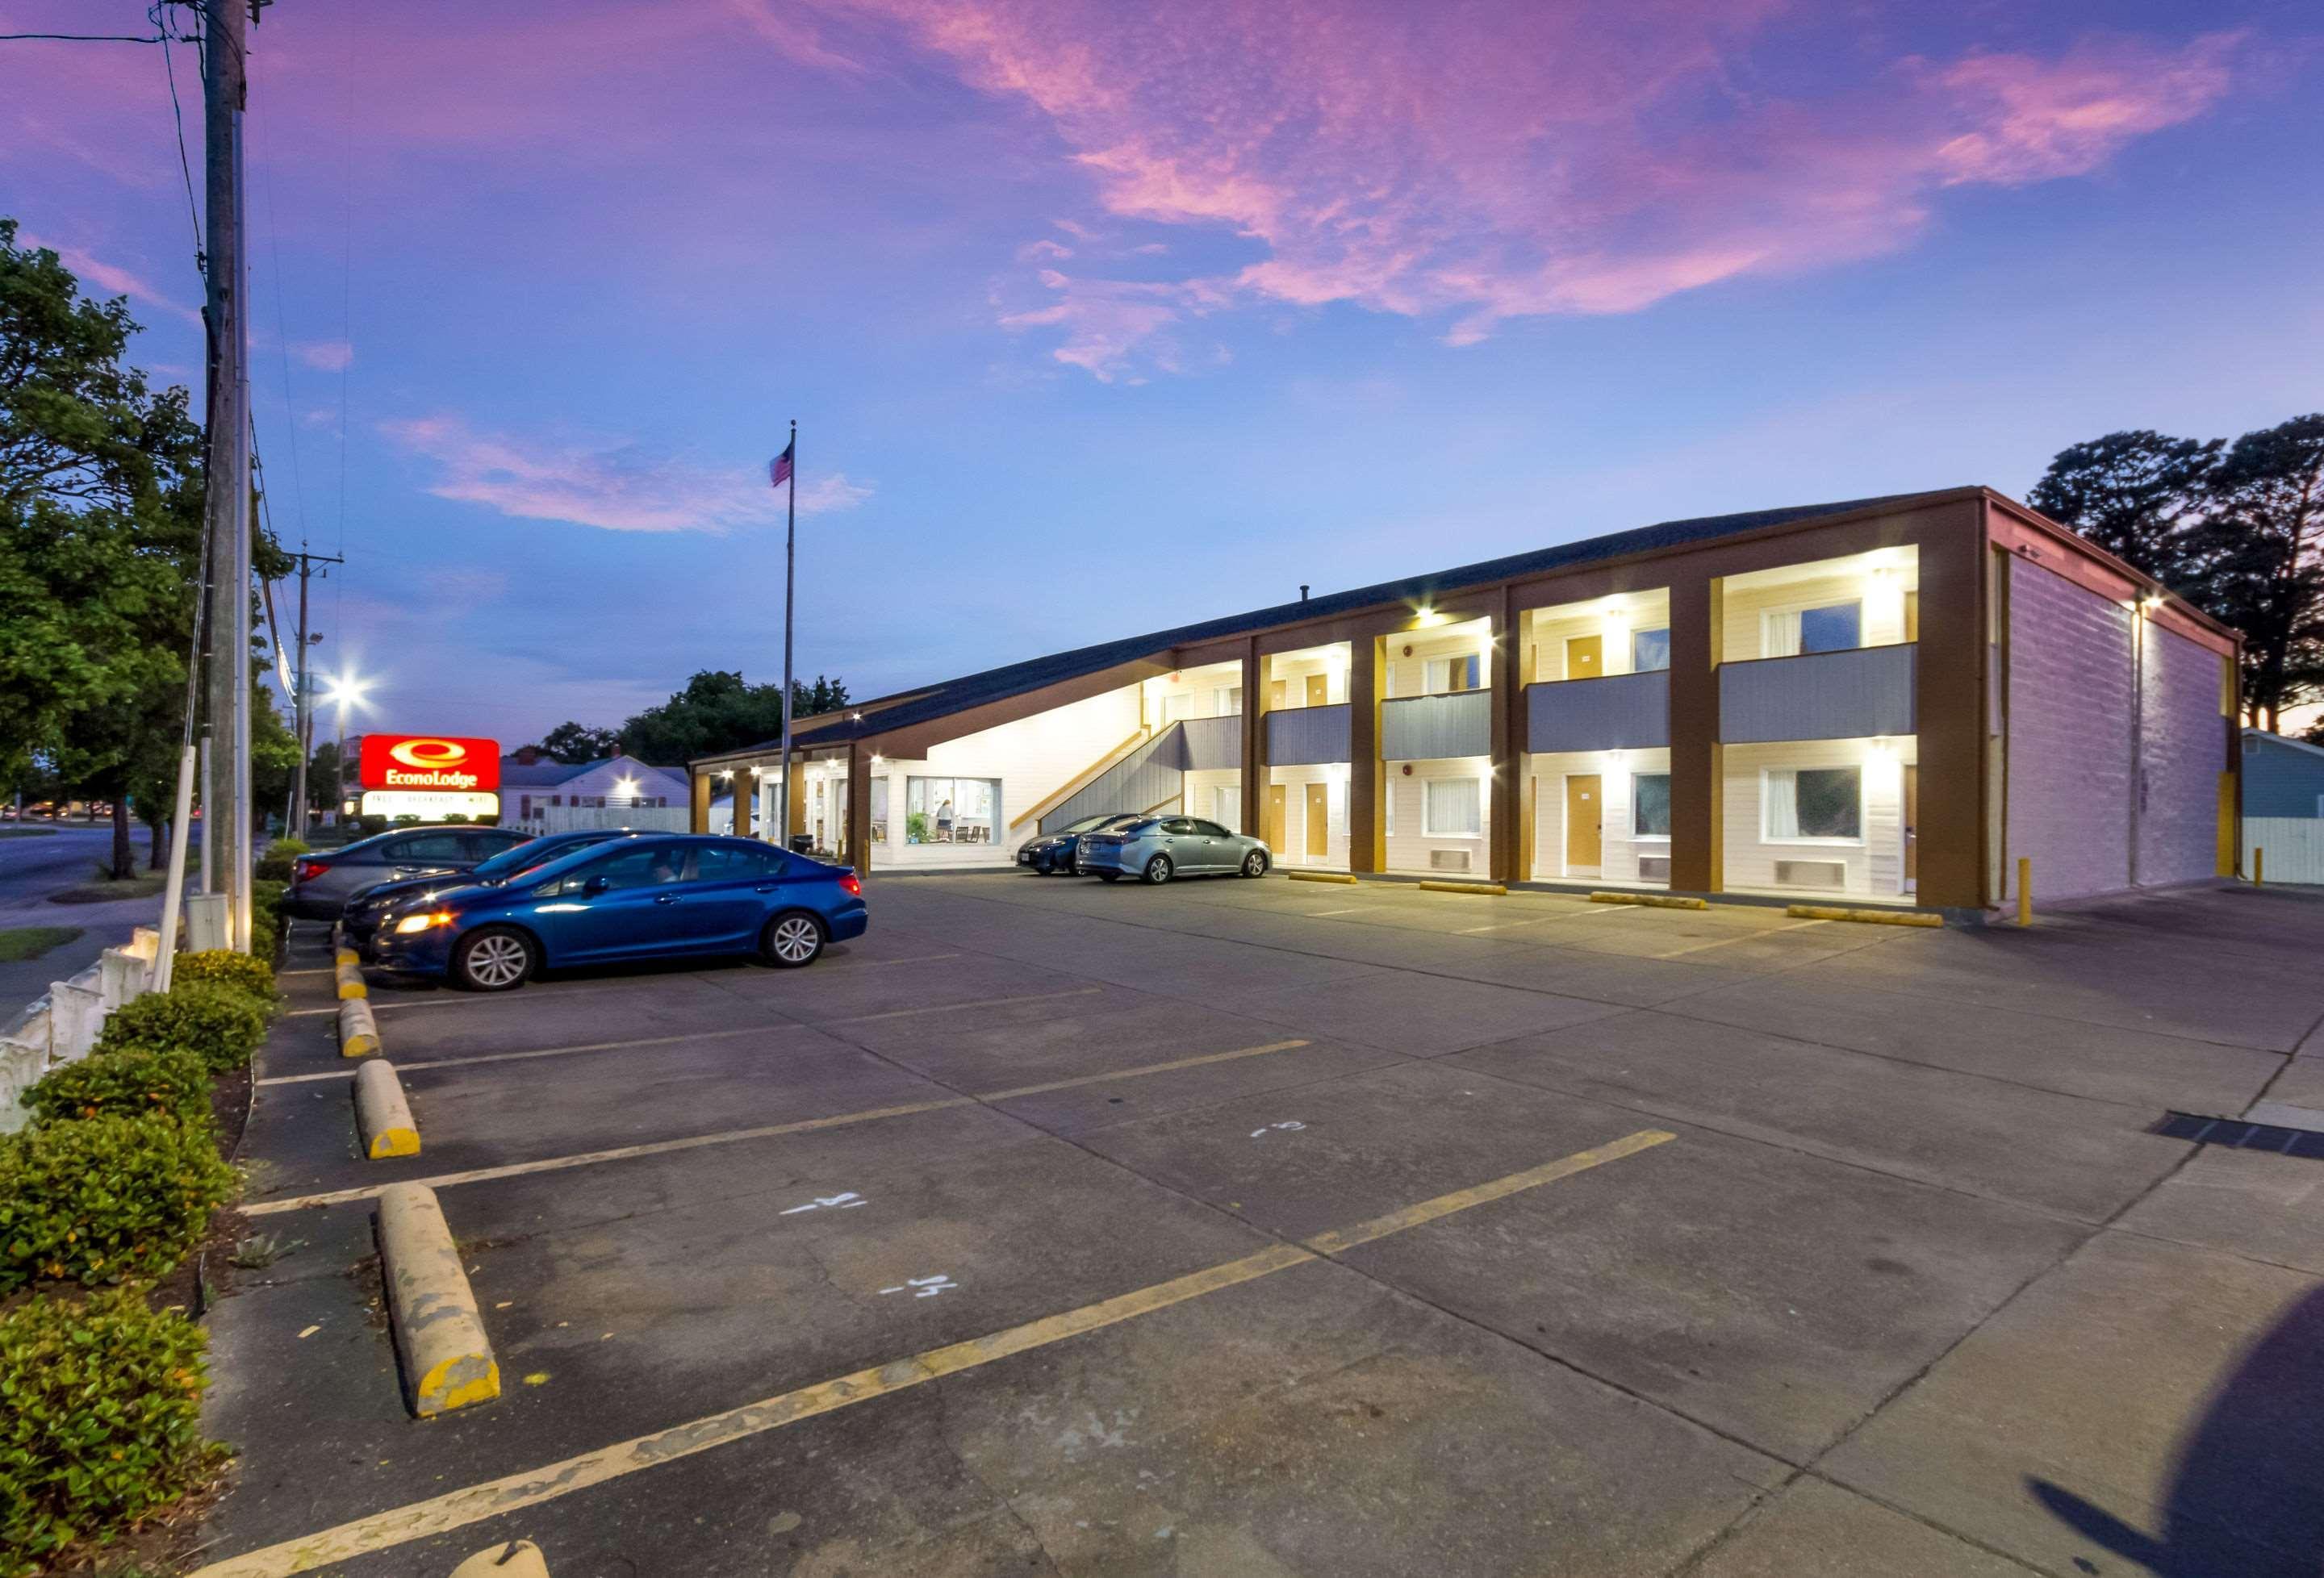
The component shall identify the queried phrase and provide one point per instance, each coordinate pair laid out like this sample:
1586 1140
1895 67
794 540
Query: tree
2264 541
2139 495
718 712
323 776
575 744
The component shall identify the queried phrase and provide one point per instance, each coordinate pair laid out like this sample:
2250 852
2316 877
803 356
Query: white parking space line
1596 912
1746 937
656 1041
956 1007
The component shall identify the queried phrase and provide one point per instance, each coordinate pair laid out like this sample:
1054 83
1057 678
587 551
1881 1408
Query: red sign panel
430 762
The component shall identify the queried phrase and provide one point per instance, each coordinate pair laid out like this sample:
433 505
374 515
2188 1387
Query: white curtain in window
1784 799
1437 676
1226 807
1454 807
1780 634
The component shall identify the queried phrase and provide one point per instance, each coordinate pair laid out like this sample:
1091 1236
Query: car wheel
1255 863
792 940
494 959
1157 870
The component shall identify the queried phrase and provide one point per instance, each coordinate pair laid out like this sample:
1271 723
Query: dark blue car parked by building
645 897
374 906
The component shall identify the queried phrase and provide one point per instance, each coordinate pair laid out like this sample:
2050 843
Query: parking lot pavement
1274 1228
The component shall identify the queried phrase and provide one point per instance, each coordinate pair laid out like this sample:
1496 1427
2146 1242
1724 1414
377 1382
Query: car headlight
412 925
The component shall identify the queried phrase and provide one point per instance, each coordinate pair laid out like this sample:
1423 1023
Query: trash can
802 843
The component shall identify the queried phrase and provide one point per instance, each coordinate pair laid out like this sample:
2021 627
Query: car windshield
519 858
1137 824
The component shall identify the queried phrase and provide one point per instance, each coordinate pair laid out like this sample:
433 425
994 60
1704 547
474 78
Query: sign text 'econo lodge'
429 762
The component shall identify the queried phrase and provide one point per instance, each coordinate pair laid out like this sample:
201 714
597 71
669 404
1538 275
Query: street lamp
347 691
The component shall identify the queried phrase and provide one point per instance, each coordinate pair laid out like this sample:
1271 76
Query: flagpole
790 570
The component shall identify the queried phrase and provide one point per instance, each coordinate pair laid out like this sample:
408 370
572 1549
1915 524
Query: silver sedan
1159 848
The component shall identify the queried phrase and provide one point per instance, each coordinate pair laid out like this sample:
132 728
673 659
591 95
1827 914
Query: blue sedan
647 897
373 907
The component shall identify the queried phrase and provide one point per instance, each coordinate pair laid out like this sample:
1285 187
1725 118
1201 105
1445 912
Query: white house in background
530 783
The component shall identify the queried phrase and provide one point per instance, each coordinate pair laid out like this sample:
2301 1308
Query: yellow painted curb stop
1658 901
519 1558
350 978
343 955
358 1030
382 1117
1868 917
1321 876
448 1359
1489 889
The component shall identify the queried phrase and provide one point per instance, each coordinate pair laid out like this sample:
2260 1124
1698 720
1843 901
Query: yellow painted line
1867 917
533 1488
735 1136
1141 1073
1746 937
655 1040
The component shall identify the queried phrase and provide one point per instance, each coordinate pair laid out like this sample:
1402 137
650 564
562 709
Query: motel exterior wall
2060 707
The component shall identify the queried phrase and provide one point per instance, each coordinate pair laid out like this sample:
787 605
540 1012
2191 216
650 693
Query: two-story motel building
1886 700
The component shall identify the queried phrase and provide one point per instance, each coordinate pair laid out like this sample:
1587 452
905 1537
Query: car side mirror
595 886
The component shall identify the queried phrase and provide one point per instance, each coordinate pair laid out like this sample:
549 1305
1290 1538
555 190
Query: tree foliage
2236 530
575 744
718 712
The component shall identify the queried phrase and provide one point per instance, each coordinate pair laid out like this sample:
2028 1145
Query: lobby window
951 810
1814 803
1649 650
1833 626
1452 808
1650 805
1455 673
879 834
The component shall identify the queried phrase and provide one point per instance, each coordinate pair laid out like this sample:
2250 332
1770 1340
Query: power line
83 38
158 15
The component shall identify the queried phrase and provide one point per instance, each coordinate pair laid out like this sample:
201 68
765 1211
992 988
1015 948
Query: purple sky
1101 317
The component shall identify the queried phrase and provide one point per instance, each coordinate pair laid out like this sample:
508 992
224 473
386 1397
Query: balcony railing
1853 695
1418 728
1617 711
1213 743
1302 735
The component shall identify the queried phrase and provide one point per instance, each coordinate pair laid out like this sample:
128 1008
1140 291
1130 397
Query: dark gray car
322 883
1155 848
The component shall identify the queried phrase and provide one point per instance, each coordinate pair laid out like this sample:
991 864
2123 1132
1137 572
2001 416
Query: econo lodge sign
430 763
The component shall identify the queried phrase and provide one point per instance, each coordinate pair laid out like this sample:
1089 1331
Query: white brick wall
2183 751
2069 766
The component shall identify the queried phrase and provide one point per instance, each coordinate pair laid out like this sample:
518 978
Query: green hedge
106 1200
174 1084
221 1024
244 971
100 1420
266 920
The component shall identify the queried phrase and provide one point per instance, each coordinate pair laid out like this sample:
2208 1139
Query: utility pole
302 725
226 817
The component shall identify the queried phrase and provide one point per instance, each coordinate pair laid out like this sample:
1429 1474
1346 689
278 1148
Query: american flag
778 470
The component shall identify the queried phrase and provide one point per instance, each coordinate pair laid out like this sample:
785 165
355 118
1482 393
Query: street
32 868
1264 1227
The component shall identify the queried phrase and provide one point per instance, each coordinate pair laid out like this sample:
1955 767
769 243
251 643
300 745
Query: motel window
1815 803
1226 805
1833 626
1455 673
951 810
878 811
1226 701
1452 808
1650 805
1177 706
1649 650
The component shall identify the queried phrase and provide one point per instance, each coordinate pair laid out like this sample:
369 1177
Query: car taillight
851 884
305 867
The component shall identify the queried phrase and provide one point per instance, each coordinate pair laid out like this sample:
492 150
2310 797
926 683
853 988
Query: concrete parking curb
1867 917
349 971
1489 889
358 1030
1339 877
382 1117
1658 901
517 1559
439 1334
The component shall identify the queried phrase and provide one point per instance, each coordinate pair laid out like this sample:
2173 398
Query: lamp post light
347 691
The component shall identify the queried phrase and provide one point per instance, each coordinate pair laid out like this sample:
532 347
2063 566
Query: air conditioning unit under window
1448 859
1810 874
1654 869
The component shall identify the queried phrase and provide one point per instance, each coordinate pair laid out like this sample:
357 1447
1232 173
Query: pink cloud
101 279
1595 156
615 487
328 355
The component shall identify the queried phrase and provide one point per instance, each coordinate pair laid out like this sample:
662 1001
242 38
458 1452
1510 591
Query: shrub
102 1420
220 1024
244 972
172 1084
107 1198
266 926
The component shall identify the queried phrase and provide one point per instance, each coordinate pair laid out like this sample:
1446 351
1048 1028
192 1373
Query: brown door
1585 657
1276 804
1319 821
1911 821
1582 815
1319 690
1277 698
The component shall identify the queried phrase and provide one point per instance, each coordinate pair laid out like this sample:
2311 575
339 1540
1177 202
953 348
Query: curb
358 1030
1867 917
517 1559
348 968
1653 900
1338 876
448 1359
1489 889
382 1117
